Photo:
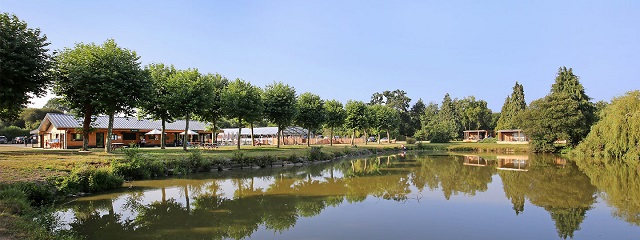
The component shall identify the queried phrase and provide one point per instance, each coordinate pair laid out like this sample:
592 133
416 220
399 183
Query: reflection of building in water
513 162
475 160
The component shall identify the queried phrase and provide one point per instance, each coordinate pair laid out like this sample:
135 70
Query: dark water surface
392 197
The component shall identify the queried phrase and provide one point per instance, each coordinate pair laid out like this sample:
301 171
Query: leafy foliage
617 134
356 116
25 62
280 105
311 112
474 114
158 104
564 114
335 115
243 101
512 106
94 79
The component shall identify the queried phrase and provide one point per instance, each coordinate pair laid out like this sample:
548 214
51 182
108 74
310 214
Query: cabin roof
102 122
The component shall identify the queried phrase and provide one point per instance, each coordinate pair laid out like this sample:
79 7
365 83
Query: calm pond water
392 197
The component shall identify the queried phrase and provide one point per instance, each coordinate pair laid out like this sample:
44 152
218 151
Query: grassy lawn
34 164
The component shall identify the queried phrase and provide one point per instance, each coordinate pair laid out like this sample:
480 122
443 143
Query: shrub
265 160
411 140
88 179
315 154
489 140
38 193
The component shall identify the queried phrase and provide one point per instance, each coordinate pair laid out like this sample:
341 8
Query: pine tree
513 104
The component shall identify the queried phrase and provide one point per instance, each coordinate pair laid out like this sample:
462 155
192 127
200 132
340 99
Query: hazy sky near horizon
351 49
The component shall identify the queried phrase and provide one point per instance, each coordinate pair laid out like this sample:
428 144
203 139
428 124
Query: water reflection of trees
202 208
555 185
620 186
451 175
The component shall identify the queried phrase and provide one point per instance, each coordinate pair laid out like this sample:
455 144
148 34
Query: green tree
189 94
56 103
158 104
617 134
386 119
24 65
398 100
95 79
474 114
415 113
335 116
564 114
311 113
356 117
33 116
448 119
216 84
242 101
280 105
427 119
123 83
512 106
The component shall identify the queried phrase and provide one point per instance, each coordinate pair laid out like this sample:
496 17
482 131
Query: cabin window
76 137
129 136
114 136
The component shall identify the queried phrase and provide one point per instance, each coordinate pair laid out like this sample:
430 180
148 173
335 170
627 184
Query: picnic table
115 146
210 145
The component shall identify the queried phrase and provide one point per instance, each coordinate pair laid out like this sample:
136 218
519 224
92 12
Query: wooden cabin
65 131
512 136
476 135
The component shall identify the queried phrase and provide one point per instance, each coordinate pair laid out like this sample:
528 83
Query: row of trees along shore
107 79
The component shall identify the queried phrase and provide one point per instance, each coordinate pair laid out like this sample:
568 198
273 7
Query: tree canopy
279 101
25 62
356 117
617 134
98 79
311 113
513 104
564 114
334 116
158 104
242 101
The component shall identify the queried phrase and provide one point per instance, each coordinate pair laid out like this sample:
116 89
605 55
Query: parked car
3 140
18 140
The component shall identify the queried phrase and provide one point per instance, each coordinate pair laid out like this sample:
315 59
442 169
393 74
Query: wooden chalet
65 131
512 136
476 135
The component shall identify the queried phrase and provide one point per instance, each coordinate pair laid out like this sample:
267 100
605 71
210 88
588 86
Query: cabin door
99 140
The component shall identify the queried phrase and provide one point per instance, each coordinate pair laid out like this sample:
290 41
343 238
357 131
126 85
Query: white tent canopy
190 133
267 131
154 132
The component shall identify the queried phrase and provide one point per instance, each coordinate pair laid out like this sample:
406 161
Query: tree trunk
388 137
278 136
107 147
86 124
353 137
186 133
163 139
253 142
214 133
308 138
239 131
331 137
366 137
379 141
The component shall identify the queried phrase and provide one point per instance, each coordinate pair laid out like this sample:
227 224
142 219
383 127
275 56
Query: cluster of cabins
64 131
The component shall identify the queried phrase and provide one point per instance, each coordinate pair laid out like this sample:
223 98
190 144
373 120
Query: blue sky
350 49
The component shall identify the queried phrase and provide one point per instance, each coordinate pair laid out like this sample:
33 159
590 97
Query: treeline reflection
237 204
